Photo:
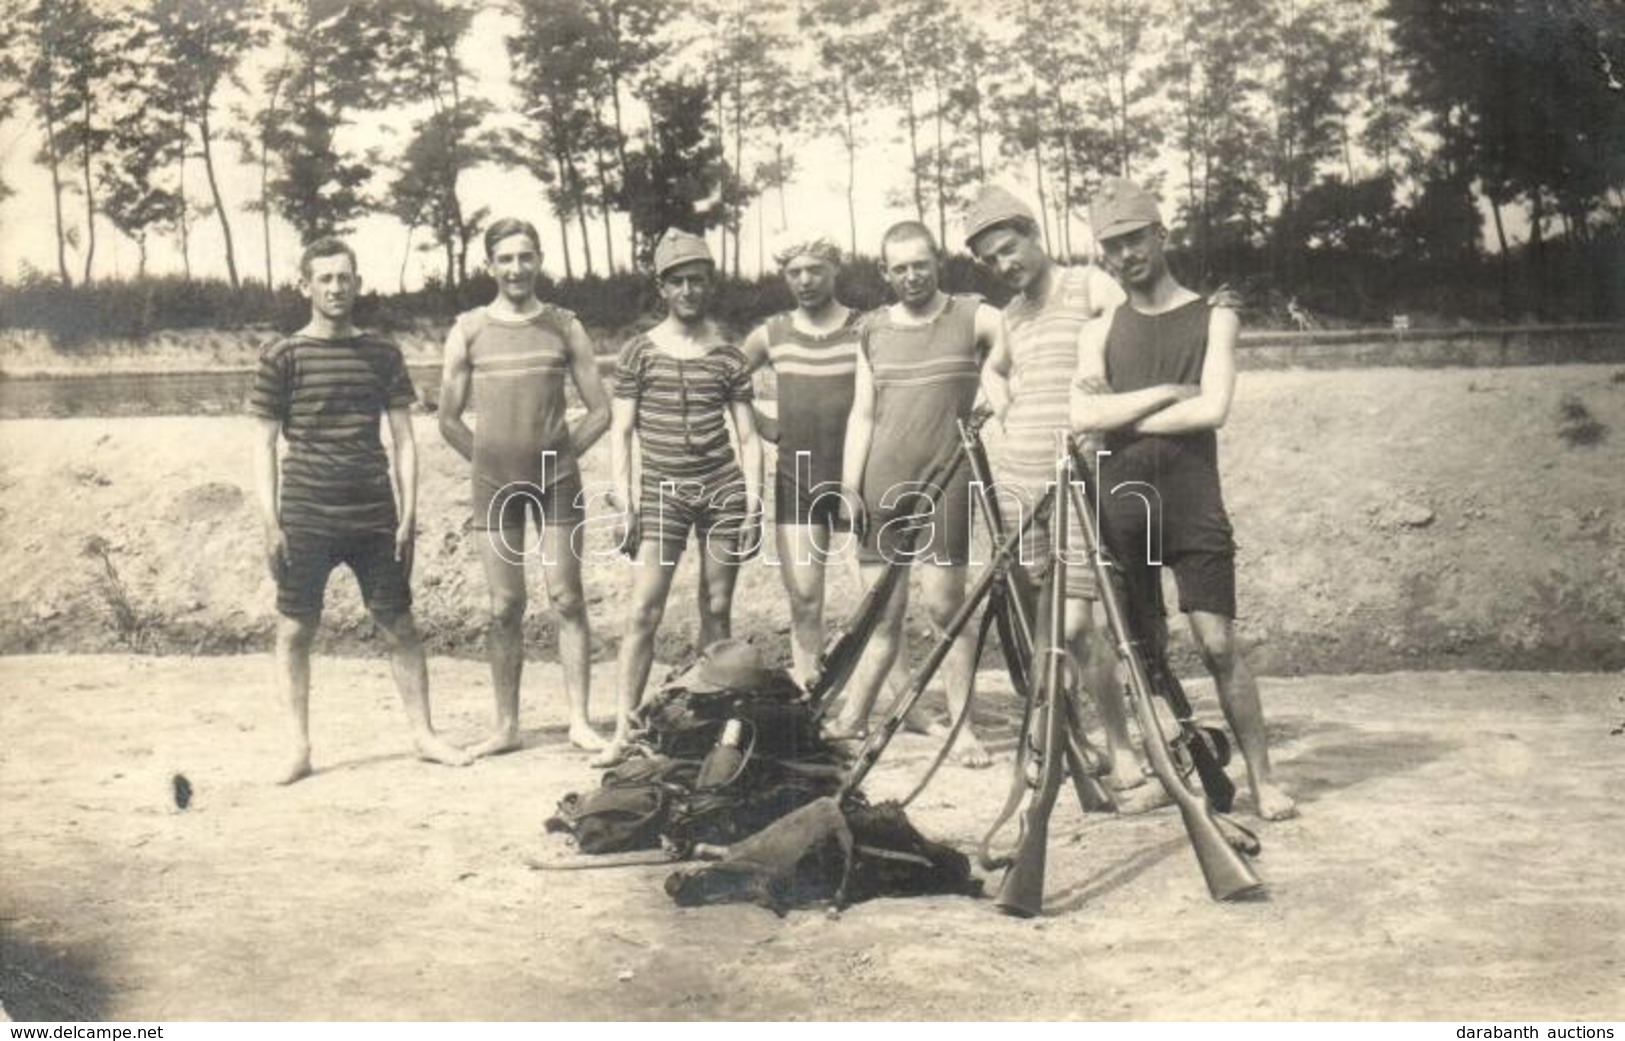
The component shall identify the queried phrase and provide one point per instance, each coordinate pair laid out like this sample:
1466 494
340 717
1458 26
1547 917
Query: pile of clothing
729 763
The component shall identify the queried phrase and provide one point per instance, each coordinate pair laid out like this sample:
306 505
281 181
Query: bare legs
1238 696
293 640
651 584
943 590
504 564
802 556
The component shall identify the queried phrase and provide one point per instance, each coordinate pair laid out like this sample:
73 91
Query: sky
816 200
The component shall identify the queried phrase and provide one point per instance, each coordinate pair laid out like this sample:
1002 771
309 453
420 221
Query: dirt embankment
1386 519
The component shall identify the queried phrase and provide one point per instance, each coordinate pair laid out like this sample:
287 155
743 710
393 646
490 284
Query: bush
1560 282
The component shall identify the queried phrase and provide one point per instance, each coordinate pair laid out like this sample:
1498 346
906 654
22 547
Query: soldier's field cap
992 206
676 247
1121 206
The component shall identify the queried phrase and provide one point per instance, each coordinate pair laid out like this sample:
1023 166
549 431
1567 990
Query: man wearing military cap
1029 385
1156 378
676 388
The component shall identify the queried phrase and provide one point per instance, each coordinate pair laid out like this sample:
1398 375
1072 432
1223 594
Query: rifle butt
1228 875
1021 893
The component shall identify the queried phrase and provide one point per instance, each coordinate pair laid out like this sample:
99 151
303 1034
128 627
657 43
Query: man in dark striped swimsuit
812 351
331 501
676 389
1156 377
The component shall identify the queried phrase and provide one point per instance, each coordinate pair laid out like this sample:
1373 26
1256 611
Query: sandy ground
1458 858
1385 518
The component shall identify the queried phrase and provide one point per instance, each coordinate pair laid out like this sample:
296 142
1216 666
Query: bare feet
502 740
1124 776
1141 798
1272 803
613 755
840 732
296 768
432 749
584 737
971 754
920 721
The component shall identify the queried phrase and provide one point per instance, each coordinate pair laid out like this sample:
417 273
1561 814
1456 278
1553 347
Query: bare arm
1094 406
750 451
992 333
623 417
1210 407
860 427
456 374
586 431
406 478
755 351
266 432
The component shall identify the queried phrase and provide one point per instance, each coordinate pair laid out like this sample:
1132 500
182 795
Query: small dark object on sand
183 791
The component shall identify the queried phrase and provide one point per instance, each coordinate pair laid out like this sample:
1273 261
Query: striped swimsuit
690 475
1043 340
815 376
522 453
925 378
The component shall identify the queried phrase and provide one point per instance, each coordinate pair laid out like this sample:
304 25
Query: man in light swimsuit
1029 385
517 353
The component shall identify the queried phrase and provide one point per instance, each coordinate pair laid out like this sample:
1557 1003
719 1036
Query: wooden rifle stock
1022 891
1229 876
1016 639
869 753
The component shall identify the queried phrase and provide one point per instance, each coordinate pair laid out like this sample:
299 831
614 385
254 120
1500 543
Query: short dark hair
1023 226
505 226
326 246
906 231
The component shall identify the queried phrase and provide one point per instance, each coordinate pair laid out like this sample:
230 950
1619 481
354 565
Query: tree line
1282 134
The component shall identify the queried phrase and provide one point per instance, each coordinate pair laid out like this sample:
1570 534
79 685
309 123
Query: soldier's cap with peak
991 207
677 247
1121 207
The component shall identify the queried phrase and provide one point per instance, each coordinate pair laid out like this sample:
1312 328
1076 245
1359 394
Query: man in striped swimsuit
919 368
676 388
331 500
1030 385
812 351
517 353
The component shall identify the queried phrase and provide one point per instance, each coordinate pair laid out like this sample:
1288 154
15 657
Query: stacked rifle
1052 745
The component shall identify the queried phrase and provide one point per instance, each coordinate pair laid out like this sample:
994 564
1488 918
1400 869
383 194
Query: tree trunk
90 195
1506 272
913 141
981 135
739 163
620 151
562 208
1537 255
941 160
183 224
205 139
49 111
586 242
851 142
406 258
564 243
265 169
